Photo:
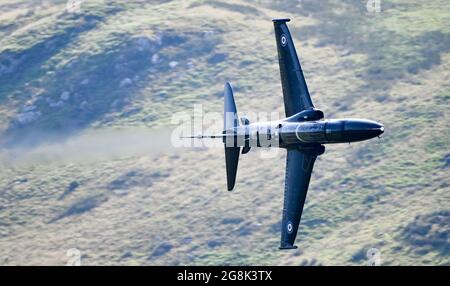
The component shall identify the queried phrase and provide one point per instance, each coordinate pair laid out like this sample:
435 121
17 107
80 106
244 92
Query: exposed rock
129 111
173 64
116 103
9 63
125 82
155 59
58 104
120 193
143 44
21 181
108 118
27 117
158 39
84 105
345 53
208 33
65 95
53 103
28 108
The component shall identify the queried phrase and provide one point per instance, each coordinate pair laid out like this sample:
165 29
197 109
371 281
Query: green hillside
84 163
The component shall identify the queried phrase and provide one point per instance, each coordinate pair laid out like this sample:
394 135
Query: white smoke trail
89 146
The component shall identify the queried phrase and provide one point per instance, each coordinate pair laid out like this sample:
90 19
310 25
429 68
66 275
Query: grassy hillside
123 197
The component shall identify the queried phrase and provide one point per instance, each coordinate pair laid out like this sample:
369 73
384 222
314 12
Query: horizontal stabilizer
231 161
231 121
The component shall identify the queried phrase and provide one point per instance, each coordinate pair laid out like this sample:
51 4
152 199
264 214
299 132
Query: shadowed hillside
72 176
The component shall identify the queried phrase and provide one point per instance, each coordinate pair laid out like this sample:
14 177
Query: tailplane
229 136
231 121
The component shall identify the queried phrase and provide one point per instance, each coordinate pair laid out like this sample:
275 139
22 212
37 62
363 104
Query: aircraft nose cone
380 129
361 129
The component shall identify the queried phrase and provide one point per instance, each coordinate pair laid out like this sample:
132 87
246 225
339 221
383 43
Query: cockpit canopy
306 115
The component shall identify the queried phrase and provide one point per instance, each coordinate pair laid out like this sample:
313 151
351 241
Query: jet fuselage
285 133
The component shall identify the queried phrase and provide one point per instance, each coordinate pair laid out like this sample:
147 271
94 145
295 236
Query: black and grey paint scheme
302 133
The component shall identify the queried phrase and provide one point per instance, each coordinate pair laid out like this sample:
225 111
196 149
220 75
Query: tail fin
231 150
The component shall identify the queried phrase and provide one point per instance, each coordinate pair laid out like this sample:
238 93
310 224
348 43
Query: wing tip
281 20
287 246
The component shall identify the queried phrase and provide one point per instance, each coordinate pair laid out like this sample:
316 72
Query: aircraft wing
299 166
295 92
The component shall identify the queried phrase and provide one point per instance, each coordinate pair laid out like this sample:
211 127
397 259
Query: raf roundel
283 40
289 227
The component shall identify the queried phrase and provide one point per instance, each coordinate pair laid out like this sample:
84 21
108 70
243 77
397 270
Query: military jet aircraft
302 133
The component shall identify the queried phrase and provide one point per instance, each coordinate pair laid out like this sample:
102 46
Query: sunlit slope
134 63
